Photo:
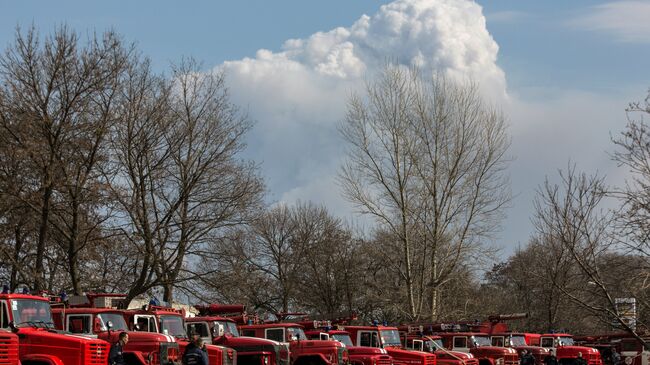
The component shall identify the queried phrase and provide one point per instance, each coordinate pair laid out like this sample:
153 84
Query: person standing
579 360
616 357
551 359
195 353
115 355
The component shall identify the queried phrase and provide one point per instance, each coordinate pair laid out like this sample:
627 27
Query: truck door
368 339
201 329
79 323
4 316
275 334
547 342
460 344
145 323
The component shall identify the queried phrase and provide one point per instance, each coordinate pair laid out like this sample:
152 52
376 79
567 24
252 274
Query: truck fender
41 358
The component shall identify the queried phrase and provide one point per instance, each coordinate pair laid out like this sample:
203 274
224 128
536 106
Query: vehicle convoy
562 344
91 315
566 350
358 355
8 348
170 322
388 338
302 350
412 338
214 328
30 318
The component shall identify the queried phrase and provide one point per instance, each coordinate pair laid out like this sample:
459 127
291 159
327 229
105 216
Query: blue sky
569 68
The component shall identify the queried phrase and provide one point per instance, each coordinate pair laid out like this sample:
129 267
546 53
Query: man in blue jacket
195 353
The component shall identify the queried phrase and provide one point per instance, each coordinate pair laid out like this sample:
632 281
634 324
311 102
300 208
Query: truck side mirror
220 330
109 325
97 325
136 327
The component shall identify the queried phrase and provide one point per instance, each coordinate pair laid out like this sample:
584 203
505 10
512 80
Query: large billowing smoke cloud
297 95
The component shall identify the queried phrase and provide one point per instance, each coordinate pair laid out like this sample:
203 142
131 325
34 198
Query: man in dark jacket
550 359
195 353
115 356
580 360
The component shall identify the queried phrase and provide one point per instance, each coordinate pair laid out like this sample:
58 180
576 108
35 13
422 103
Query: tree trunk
14 266
39 277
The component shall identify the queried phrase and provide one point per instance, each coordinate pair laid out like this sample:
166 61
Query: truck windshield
390 338
516 341
228 327
343 338
173 326
565 341
435 344
119 324
29 312
296 332
481 341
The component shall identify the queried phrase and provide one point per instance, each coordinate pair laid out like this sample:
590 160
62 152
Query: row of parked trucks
39 331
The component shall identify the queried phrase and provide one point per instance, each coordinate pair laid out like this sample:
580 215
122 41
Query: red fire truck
388 338
520 342
412 338
479 345
302 350
93 315
214 327
358 355
8 348
170 322
566 350
30 318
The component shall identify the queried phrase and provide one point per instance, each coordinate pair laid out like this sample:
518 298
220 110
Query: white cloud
626 21
298 94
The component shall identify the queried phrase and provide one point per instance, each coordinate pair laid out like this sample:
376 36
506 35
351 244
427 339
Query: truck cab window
79 324
547 342
248 333
460 342
497 341
200 329
4 316
368 339
275 334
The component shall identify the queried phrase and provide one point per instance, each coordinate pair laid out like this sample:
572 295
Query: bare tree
209 188
52 93
572 215
427 160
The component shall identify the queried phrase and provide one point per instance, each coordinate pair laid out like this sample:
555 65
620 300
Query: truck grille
594 359
96 353
8 350
512 359
430 360
383 360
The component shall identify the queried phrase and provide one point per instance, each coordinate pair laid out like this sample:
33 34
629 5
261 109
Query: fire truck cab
90 316
302 350
520 342
388 338
30 318
358 355
412 338
479 345
170 322
566 350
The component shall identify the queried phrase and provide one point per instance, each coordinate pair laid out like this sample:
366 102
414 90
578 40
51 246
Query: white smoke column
298 95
